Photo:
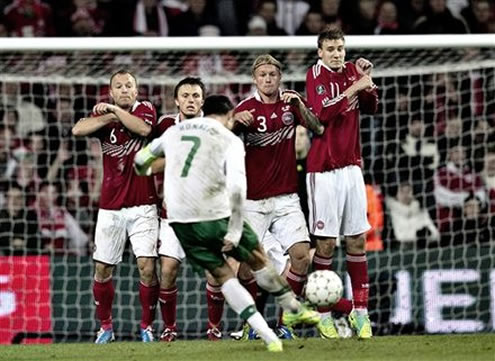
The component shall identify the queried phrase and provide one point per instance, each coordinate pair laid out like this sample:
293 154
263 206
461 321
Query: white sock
257 322
243 304
238 297
361 311
268 279
288 302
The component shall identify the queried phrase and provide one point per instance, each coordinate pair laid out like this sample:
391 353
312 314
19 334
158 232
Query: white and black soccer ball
324 288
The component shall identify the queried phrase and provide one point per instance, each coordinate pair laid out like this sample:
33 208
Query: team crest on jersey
320 89
287 118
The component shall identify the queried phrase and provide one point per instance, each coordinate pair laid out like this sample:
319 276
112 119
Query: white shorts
337 202
113 227
281 216
275 253
169 244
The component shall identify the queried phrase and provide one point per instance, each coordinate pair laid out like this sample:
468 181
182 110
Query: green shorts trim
202 242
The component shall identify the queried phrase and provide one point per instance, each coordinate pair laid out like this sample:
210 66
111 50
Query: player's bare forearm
131 122
158 165
310 120
86 126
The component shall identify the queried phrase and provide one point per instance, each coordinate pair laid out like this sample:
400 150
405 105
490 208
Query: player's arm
236 187
131 122
368 98
87 126
158 165
145 157
309 120
324 107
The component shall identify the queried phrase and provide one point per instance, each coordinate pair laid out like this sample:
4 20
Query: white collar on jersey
257 95
134 106
177 117
320 62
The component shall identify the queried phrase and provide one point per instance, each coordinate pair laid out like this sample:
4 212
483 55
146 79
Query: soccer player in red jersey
189 95
128 201
338 92
267 121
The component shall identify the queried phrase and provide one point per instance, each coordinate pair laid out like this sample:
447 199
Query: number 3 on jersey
262 125
196 143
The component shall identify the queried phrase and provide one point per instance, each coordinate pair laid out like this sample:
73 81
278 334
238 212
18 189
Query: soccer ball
324 288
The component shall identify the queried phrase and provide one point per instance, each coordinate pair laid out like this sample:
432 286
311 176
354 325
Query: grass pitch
475 347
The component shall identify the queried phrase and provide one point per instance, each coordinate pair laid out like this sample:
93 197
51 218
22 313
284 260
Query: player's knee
355 244
325 246
103 272
168 272
146 270
244 272
299 257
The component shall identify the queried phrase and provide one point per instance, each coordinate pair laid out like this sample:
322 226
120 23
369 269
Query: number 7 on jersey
196 143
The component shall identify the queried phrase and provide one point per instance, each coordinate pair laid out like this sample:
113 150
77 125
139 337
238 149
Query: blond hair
265 59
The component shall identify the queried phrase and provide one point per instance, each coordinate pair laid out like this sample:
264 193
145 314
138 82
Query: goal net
429 163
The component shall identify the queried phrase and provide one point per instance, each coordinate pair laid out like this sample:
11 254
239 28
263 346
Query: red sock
103 293
344 306
148 296
251 286
215 300
322 262
296 281
357 267
168 306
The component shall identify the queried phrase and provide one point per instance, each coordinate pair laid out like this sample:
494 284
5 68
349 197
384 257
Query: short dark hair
263 2
190 80
217 104
122 72
330 33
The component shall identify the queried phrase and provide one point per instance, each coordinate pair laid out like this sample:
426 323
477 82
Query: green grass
418 348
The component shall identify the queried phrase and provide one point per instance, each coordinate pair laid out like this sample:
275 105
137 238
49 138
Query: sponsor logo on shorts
320 224
287 118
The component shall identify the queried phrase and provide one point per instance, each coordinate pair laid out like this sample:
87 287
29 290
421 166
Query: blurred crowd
429 153
429 162
242 17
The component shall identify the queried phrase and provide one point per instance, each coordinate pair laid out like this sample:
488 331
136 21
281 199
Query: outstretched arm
236 188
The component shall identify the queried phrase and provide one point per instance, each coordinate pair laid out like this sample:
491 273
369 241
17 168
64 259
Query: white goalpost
444 83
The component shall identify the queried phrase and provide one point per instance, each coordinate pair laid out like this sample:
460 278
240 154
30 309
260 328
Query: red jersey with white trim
269 142
164 122
122 187
339 145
